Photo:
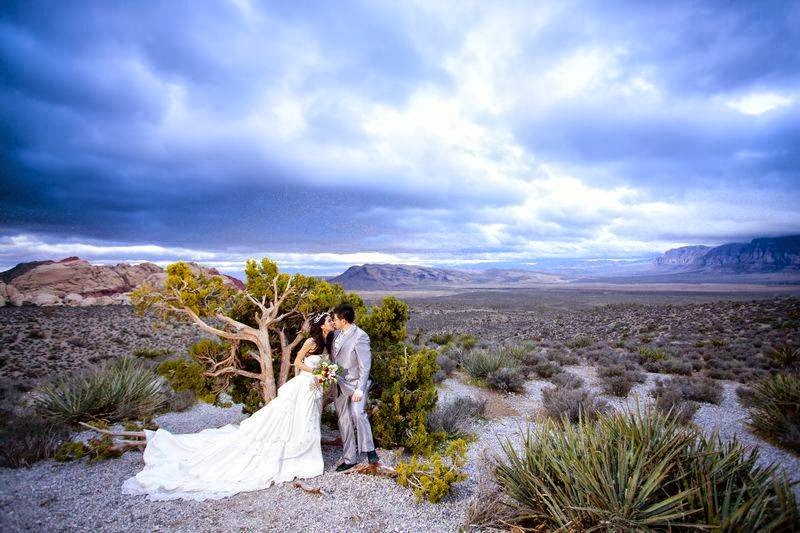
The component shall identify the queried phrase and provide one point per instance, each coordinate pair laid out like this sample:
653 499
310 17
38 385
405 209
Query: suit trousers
353 423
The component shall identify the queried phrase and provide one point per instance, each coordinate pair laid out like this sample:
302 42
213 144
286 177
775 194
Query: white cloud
759 103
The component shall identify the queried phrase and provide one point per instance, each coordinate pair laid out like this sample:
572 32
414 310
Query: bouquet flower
326 373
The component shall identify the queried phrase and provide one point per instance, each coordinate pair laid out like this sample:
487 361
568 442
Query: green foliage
442 338
97 449
774 408
208 349
480 363
204 296
185 375
386 323
640 471
245 391
467 341
432 478
121 389
407 395
26 438
650 354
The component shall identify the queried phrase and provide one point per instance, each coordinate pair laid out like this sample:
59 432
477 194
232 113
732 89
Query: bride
279 442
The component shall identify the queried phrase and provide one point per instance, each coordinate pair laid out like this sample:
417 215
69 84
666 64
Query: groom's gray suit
351 351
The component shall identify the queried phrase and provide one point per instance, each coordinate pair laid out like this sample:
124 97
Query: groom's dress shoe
373 458
344 467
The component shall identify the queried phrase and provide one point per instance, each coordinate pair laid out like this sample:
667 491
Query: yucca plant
785 355
639 471
480 363
123 388
775 409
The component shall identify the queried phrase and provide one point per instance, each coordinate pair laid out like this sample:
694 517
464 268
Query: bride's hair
315 332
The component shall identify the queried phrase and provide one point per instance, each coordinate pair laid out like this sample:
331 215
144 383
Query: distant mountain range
74 281
761 260
389 277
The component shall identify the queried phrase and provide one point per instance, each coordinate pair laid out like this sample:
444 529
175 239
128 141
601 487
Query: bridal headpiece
319 317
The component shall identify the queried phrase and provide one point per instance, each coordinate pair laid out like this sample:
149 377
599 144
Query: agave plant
638 471
775 409
480 363
124 388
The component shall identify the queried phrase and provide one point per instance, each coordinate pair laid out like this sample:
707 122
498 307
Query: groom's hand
357 395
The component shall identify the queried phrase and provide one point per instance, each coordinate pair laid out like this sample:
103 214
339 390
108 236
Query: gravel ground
82 496
56 496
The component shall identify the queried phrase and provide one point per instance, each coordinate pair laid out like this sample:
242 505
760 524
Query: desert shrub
785 355
618 385
506 379
669 399
208 349
448 360
631 372
581 341
407 394
699 389
640 471
179 401
432 478
442 338
542 368
673 365
26 438
567 380
564 358
571 404
775 409
118 390
186 375
466 341
455 418
152 353
479 363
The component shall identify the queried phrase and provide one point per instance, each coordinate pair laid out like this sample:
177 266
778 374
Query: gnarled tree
272 315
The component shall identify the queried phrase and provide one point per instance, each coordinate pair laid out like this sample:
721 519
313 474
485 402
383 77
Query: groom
351 352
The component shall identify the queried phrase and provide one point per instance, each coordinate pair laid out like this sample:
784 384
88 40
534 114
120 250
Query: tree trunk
267 379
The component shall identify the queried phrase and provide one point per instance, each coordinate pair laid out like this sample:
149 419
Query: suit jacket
355 357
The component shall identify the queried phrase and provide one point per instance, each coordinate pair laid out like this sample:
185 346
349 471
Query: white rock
88 301
14 296
44 298
104 300
73 298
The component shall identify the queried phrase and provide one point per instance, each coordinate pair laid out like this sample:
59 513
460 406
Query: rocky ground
708 329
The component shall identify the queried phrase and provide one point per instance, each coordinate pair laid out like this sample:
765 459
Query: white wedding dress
279 442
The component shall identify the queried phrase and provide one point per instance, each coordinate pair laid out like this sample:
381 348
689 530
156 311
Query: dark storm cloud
509 128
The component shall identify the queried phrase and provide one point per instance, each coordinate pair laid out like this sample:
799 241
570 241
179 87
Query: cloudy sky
325 134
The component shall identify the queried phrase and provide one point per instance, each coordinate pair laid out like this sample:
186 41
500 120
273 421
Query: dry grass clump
640 471
619 378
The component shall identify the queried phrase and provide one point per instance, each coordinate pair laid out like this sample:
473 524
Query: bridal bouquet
326 373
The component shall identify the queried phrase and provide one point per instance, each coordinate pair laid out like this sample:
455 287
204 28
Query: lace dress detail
277 443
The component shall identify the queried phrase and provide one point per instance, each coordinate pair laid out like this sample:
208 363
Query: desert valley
509 358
